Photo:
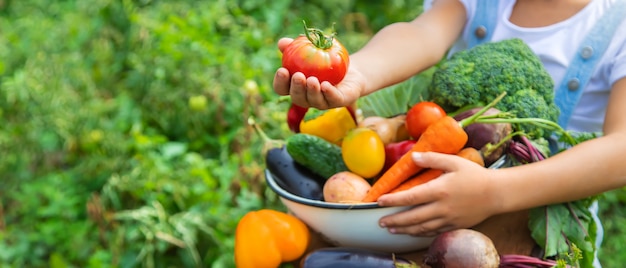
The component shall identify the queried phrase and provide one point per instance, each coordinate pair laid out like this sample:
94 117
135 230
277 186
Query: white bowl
353 225
350 225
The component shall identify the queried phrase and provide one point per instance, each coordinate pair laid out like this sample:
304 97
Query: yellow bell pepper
332 124
266 238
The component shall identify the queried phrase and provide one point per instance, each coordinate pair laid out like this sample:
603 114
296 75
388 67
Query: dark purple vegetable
292 176
481 134
348 257
288 174
462 248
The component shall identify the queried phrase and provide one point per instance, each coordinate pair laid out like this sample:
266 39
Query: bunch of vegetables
359 159
490 130
443 134
476 75
335 156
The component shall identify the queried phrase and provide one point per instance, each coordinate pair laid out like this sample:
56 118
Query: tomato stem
318 38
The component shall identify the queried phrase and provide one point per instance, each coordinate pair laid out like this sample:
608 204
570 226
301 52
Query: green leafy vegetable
567 230
475 76
557 228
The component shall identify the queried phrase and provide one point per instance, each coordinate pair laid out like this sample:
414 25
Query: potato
345 187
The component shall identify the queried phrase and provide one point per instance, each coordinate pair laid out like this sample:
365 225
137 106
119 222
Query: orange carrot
445 135
473 155
425 176
421 178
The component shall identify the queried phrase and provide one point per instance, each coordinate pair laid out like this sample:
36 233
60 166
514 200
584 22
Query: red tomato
421 115
318 55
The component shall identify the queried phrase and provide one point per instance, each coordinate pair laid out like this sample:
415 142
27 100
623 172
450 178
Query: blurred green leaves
123 133
123 137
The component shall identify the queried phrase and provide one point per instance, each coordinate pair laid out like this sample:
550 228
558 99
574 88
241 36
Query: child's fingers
283 43
445 162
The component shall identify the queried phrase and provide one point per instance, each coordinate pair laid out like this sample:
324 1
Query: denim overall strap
588 55
484 22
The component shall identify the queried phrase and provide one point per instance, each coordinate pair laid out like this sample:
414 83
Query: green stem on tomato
318 38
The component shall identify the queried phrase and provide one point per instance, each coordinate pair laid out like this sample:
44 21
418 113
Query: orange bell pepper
332 124
267 238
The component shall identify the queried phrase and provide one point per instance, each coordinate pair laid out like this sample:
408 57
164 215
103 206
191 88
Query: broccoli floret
527 103
476 76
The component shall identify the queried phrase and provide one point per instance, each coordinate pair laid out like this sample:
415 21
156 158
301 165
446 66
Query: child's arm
589 168
467 194
401 50
394 54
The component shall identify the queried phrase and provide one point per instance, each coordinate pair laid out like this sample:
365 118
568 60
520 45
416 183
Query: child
556 30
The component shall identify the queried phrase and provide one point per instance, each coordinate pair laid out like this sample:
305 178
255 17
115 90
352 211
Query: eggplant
349 257
293 177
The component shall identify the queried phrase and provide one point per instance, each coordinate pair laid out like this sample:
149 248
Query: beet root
464 248
481 134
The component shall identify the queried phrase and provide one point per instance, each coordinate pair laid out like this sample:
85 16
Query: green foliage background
123 136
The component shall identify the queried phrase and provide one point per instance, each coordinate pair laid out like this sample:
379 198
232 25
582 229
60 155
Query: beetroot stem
520 152
534 153
522 261
472 119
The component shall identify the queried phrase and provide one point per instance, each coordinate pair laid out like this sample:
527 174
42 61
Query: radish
468 248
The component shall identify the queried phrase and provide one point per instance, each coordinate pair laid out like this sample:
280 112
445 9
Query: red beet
479 135
462 248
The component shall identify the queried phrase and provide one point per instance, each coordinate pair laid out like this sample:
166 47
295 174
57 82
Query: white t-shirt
556 46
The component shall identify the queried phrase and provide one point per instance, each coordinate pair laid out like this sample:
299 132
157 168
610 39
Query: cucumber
315 153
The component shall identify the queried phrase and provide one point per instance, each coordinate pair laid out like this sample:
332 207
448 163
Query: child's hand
460 198
309 92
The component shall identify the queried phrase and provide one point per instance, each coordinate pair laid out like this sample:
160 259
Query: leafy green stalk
548 125
566 231
478 115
